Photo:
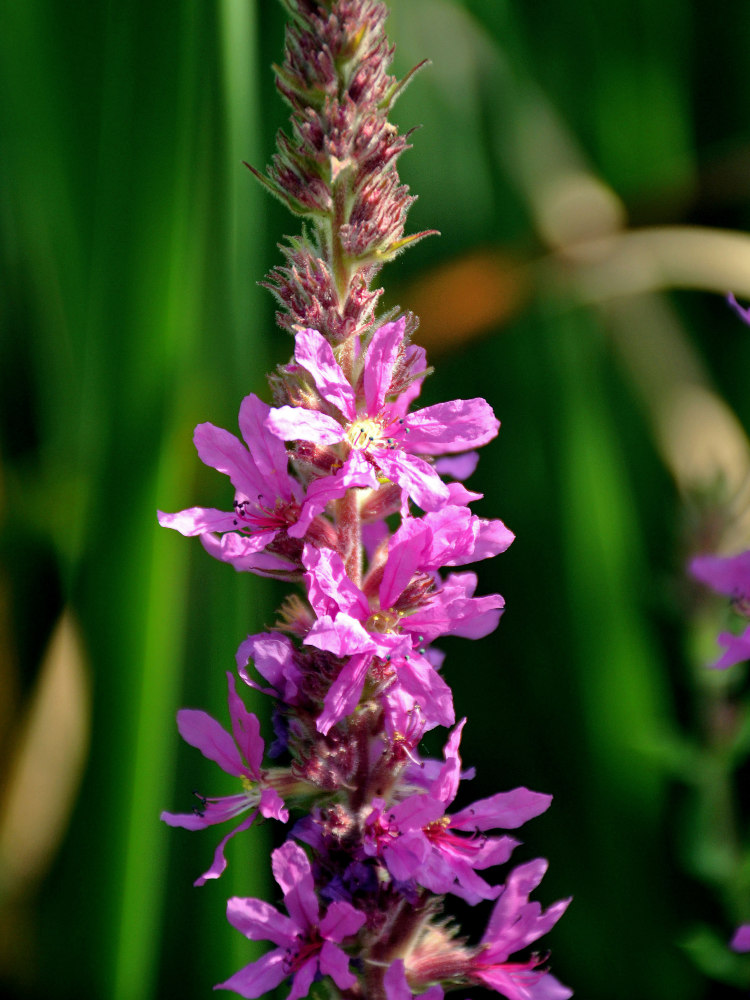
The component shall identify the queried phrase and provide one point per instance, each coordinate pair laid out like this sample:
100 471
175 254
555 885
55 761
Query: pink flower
372 429
306 945
442 852
239 754
514 924
729 575
393 625
271 511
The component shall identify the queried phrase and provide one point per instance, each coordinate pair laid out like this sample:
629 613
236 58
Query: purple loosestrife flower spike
344 487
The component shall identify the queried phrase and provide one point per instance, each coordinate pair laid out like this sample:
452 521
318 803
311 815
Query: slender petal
293 423
201 731
314 353
379 361
259 977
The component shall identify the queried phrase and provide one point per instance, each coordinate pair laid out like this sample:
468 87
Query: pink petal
316 356
728 575
303 979
345 692
214 811
197 520
207 735
505 810
291 869
268 453
341 921
737 649
273 655
335 963
259 921
355 472
394 981
294 423
379 361
457 425
413 475
404 855
445 786
272 805
246 729
342 635
406 552
329 589
458 466
224 452
741 939
219 862
433 695
245 552
259 977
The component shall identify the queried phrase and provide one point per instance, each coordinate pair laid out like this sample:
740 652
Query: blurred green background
588 166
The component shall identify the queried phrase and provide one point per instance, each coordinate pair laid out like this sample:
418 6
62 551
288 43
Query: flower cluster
346 489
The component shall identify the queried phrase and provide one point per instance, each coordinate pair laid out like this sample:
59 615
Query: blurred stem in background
132 239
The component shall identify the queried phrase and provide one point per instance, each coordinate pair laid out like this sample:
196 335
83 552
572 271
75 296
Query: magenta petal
245 729
273 655
379 361
394 981
493 851
458 466
457 425
291 869
313 352
355 472
728 575
344 693
741 939
329 588
272 805
445 786
335 963
259 921
207 735
294 423
303 979
505 810
213 811
219 862
259 977
341 921
414 475
268 453
491 538
224 452
342 635
405 854
198 520
187 821
416 812
737 649
406 551
418 678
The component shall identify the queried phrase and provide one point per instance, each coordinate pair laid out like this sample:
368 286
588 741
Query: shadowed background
589 169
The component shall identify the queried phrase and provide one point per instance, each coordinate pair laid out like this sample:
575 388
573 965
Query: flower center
383 621
368 433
